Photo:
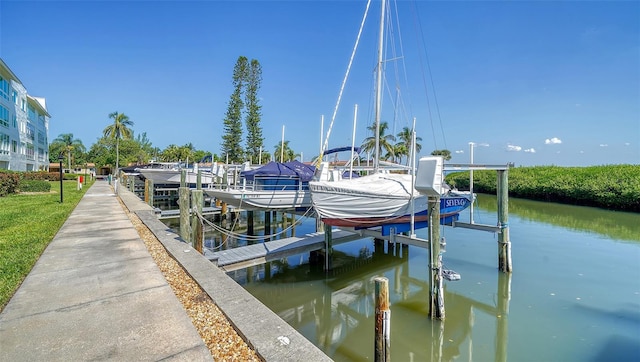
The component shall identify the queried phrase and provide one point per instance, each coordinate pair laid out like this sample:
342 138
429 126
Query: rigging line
424 83
433 86
230 233
404 64
344 81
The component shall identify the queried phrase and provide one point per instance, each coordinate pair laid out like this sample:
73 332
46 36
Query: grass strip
28 223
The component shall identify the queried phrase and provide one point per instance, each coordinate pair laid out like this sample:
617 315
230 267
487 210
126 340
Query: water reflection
558 311
336 311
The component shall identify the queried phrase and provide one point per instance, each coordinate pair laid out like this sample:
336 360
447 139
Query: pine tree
255 141
232 137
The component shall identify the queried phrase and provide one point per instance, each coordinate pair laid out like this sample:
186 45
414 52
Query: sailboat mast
379 87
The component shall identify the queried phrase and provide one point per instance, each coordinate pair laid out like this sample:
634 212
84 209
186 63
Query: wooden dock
245 256
169 214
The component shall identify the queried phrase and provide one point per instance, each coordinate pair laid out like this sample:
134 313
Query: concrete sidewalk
96 294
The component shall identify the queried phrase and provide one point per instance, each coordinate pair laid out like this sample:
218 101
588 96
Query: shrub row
34 186
615 187
10 180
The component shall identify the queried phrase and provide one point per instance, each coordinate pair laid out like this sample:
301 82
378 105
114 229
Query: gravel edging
219 336
271 338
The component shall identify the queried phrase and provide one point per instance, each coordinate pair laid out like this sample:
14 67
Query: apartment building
24 126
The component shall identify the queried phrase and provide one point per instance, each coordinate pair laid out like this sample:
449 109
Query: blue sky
535 83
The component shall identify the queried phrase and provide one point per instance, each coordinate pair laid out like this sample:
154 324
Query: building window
41 120
14 121
31 114
4 144
23 104
14 146
4 116
31 131
41 139
4 88
41 154
30 152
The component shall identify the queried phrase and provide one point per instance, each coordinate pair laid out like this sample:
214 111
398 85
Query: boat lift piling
502 229
183 203
504 244
436 293
197 227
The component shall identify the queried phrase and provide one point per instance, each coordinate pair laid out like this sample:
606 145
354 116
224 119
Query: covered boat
275 185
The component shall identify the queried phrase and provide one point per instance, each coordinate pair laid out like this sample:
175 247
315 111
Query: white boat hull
376 200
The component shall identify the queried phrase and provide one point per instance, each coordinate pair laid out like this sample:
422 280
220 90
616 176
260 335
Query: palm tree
405 143
69 143
446 154
385 143
119 129
288 154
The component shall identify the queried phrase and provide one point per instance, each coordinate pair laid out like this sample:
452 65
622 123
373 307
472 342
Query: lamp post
60 158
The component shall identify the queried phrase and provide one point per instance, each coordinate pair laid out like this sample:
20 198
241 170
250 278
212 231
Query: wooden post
504 244
267 224
183 202
250 223
146 191
199 180
436 290
383 320
328 248
223 209
197 202
285 225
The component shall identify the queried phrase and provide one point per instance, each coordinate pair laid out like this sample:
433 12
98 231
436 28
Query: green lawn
27 224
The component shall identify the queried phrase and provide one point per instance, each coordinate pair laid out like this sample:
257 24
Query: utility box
430 175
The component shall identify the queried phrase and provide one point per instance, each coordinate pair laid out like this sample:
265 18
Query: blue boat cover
341 149
288 169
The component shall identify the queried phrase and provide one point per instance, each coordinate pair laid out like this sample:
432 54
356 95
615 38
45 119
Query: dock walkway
255 254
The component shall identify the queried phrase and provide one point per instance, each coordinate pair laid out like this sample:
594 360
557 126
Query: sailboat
381 198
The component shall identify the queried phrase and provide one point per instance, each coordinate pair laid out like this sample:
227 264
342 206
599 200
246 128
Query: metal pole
353 140
471 145
61 198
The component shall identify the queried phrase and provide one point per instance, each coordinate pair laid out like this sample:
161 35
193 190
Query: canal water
574 294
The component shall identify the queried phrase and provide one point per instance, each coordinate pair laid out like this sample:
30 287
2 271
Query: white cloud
552 141
627 144
530 150
482 144
513 148
459 151
581 151
604 145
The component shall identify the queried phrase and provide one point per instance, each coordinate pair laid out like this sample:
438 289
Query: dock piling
328 248
504 244
436 290
183 202
250 223
383 320
197 202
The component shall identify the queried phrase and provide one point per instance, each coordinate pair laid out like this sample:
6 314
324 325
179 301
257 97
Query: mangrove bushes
614 187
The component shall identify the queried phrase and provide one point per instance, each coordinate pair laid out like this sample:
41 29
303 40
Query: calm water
574 294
